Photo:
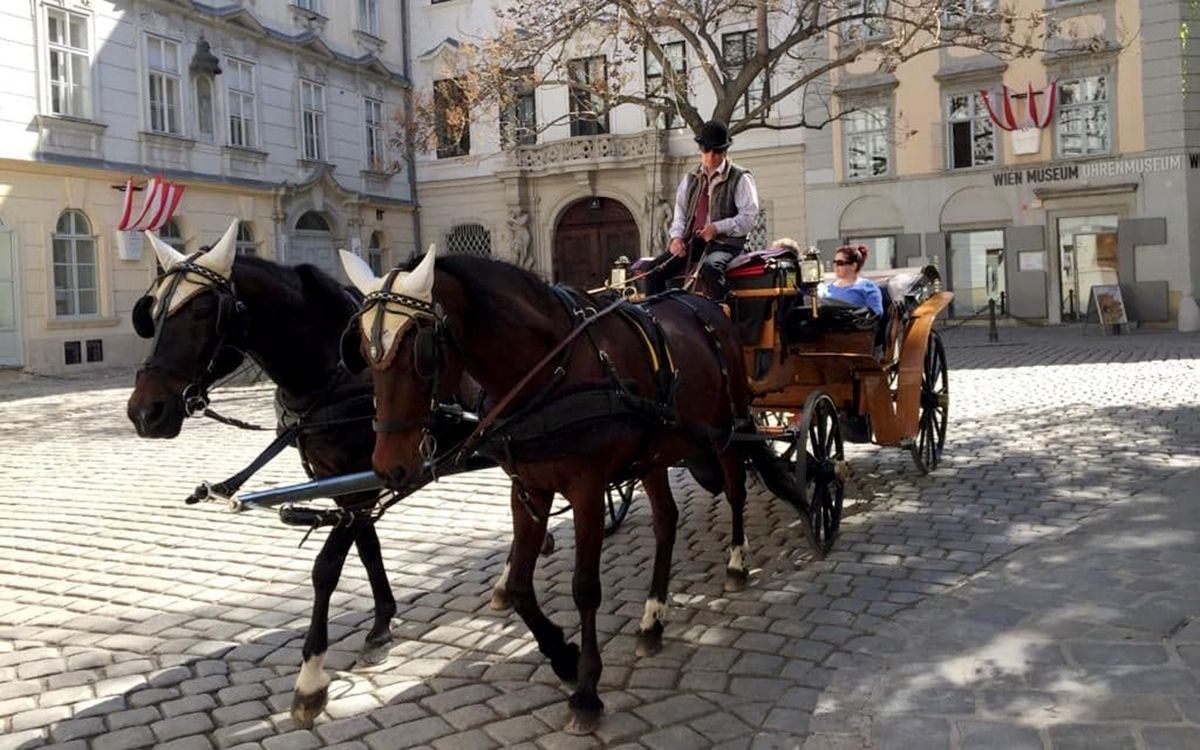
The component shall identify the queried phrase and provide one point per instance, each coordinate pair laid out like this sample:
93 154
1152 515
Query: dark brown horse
605 408
204 315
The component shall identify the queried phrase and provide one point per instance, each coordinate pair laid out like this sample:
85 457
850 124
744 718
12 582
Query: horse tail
779 480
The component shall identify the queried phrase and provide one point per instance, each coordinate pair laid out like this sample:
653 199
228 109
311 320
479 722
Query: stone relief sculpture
660 225
520 245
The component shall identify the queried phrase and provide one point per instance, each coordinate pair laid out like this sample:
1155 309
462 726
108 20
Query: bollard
993 332
1003 303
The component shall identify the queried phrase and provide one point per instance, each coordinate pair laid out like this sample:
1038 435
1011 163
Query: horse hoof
735 580
306 708
566 663
548 545
501 600
585 716
374 654
650 642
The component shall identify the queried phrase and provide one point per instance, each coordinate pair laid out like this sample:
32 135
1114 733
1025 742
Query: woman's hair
854 253
789 243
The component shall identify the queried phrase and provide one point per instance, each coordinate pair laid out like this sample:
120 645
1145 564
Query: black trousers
712 271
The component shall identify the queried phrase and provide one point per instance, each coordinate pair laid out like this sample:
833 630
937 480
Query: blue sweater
864 293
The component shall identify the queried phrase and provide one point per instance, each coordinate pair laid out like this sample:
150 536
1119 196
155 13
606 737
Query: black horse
203 313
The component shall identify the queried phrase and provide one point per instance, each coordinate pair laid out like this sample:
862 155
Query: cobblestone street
1041 589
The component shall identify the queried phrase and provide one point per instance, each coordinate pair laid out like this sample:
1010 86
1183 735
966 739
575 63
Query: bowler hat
714 136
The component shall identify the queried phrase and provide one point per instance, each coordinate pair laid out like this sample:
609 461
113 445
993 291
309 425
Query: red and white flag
158 205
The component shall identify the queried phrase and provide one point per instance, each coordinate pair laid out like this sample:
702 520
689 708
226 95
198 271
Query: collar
720 174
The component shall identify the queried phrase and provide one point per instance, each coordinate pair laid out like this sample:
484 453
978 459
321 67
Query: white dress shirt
745 197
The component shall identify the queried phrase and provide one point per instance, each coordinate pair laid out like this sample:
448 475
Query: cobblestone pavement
1037 590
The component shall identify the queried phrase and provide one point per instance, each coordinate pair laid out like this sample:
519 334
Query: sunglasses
843 263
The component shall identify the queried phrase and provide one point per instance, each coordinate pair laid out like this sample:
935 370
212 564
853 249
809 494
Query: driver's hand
677 248
708 232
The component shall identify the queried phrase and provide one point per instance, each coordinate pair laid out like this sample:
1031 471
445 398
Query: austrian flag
161 200
1006 119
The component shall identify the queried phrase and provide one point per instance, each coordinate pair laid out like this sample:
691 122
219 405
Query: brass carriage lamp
616 278
810 267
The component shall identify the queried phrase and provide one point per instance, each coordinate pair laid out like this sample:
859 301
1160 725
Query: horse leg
586 706
666 517
500 598
379 639
527 540
733 465
312 685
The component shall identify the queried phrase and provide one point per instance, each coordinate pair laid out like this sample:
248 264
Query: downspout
409 158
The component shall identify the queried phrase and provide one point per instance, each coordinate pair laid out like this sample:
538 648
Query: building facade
272 112
573 195
1099 191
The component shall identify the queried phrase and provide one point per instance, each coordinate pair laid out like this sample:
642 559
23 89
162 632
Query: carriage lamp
616 277
810 267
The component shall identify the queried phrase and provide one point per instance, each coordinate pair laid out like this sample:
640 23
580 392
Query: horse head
190 314
401 335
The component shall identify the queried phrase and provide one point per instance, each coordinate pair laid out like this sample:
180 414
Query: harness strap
234 483
490 418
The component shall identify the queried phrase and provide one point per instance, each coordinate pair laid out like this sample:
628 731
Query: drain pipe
409 158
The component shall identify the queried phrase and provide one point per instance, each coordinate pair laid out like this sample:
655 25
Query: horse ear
360 274
419 283
220 257
168 257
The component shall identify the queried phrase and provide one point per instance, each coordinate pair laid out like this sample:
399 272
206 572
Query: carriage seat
902 289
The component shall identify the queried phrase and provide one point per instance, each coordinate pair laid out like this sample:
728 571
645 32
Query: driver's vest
722 202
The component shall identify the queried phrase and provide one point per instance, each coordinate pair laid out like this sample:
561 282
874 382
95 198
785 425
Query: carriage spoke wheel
619 498
935 407
820 470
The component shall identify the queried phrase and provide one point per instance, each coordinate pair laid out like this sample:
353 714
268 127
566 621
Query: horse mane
299 286
497 290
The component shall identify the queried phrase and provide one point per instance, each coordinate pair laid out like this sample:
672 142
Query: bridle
148 324
428 345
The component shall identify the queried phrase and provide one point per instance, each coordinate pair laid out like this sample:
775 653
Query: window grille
469 239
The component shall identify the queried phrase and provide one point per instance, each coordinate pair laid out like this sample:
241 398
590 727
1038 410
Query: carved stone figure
520 240
662 217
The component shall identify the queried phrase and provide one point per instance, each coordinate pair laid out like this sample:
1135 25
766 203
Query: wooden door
591 235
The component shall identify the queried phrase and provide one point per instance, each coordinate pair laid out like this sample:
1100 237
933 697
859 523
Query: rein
494 413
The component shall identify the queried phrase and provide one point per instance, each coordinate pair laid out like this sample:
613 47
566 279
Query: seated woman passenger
847 286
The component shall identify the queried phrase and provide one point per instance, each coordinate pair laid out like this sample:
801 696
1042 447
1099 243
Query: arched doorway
312 242
591 234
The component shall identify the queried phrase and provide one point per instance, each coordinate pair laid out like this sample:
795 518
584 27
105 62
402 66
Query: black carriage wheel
619 498
935 406
820 475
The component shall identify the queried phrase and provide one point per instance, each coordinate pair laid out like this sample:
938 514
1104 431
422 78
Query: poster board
1106 305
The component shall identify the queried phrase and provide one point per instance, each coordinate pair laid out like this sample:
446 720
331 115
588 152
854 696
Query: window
469 239
244 245
95 350
589 76
170 233
736 49
452 119
1083 116
70 63
239 77
373 117
204 107
518 113
865 132
976 269
957 12
75 276
162 62
881 251
375 253
970 137
865 20
313 222
368 16
313 5
312 108
670 84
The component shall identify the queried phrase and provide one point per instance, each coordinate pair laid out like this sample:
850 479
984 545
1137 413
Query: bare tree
752 54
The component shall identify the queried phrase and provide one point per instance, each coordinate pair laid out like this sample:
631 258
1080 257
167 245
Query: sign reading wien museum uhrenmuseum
1108 168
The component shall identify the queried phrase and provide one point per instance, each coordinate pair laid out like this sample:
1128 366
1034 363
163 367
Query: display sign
1110 305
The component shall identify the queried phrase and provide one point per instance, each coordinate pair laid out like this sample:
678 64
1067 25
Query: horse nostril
153 413
395 477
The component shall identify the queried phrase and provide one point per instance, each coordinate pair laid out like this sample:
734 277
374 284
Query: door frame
18 306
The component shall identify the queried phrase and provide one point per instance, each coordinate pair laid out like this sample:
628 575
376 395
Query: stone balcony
590 152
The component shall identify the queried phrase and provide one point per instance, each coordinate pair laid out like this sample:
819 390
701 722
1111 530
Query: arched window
245 239
76 286
375 252
171 234
313 221
469 239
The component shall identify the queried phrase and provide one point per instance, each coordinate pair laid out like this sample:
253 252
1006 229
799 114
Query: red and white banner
1006 119
158 205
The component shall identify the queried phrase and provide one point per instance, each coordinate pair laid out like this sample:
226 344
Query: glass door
976 271
1087 251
